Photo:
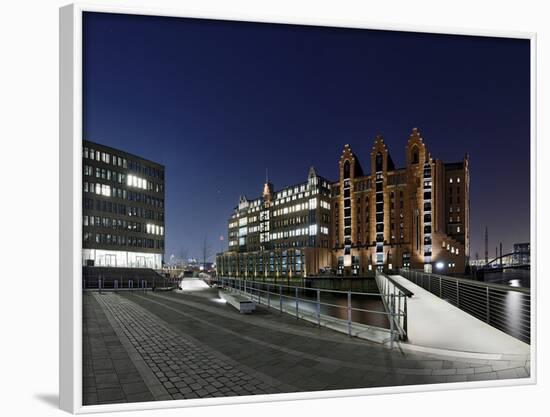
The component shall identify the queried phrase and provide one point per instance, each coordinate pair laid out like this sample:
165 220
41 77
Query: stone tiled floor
189 346
110 375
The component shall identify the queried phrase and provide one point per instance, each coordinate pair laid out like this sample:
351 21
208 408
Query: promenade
159 346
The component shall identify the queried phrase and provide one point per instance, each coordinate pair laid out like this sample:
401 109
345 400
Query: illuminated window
106 190
312 203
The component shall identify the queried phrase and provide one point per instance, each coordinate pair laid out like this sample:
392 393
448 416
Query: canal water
367 309
511 277
515 305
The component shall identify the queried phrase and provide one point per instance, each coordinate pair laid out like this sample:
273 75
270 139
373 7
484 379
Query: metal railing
394 297
501 306
102 284
307 303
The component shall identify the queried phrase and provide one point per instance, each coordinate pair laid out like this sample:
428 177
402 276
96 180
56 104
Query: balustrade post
349 313
296 296
280 298
487 308
318 307
392 316
457 295
405 323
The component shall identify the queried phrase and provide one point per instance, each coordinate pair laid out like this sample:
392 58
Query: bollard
268 296
83 284
349 313
99 284
318 307
116 284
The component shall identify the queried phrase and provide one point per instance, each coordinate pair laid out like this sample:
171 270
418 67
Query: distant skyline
218 102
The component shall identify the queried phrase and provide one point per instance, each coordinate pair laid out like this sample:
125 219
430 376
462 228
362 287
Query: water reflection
335 305
512 277
511 309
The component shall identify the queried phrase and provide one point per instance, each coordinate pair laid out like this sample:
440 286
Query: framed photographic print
259 210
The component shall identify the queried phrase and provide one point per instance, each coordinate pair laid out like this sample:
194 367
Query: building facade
522 253
280 234
382 219
123 209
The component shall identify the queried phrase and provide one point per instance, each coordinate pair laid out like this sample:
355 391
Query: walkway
436 324
193 345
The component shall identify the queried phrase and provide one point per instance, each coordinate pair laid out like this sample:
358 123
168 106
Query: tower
486 246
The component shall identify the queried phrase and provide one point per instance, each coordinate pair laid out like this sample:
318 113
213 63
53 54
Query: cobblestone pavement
110 375
181 366
189 346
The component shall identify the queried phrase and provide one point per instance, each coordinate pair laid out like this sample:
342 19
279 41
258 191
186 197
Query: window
346 169
414 157
379 162
312 203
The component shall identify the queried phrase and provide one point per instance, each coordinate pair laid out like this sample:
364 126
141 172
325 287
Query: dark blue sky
218 102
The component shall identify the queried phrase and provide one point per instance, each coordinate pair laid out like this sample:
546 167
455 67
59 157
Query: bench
243 304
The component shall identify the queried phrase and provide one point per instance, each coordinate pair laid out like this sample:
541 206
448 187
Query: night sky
219 102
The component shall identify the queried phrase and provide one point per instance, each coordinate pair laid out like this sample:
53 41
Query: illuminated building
281 234
386 218
123 209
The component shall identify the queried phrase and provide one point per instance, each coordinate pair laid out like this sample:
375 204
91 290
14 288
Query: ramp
434 324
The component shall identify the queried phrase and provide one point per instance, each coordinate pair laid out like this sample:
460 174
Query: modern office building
123 209
385 218
522 253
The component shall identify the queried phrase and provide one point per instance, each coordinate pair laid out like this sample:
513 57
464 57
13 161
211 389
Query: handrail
408 293
503 307
389 289
258 289
472 282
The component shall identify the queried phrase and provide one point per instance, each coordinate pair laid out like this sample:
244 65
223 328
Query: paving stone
200 349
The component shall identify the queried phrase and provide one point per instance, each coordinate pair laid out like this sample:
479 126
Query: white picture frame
70 288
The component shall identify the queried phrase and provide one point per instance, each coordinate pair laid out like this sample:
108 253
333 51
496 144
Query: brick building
384 218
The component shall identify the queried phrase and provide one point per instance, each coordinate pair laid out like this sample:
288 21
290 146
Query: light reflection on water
516 304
